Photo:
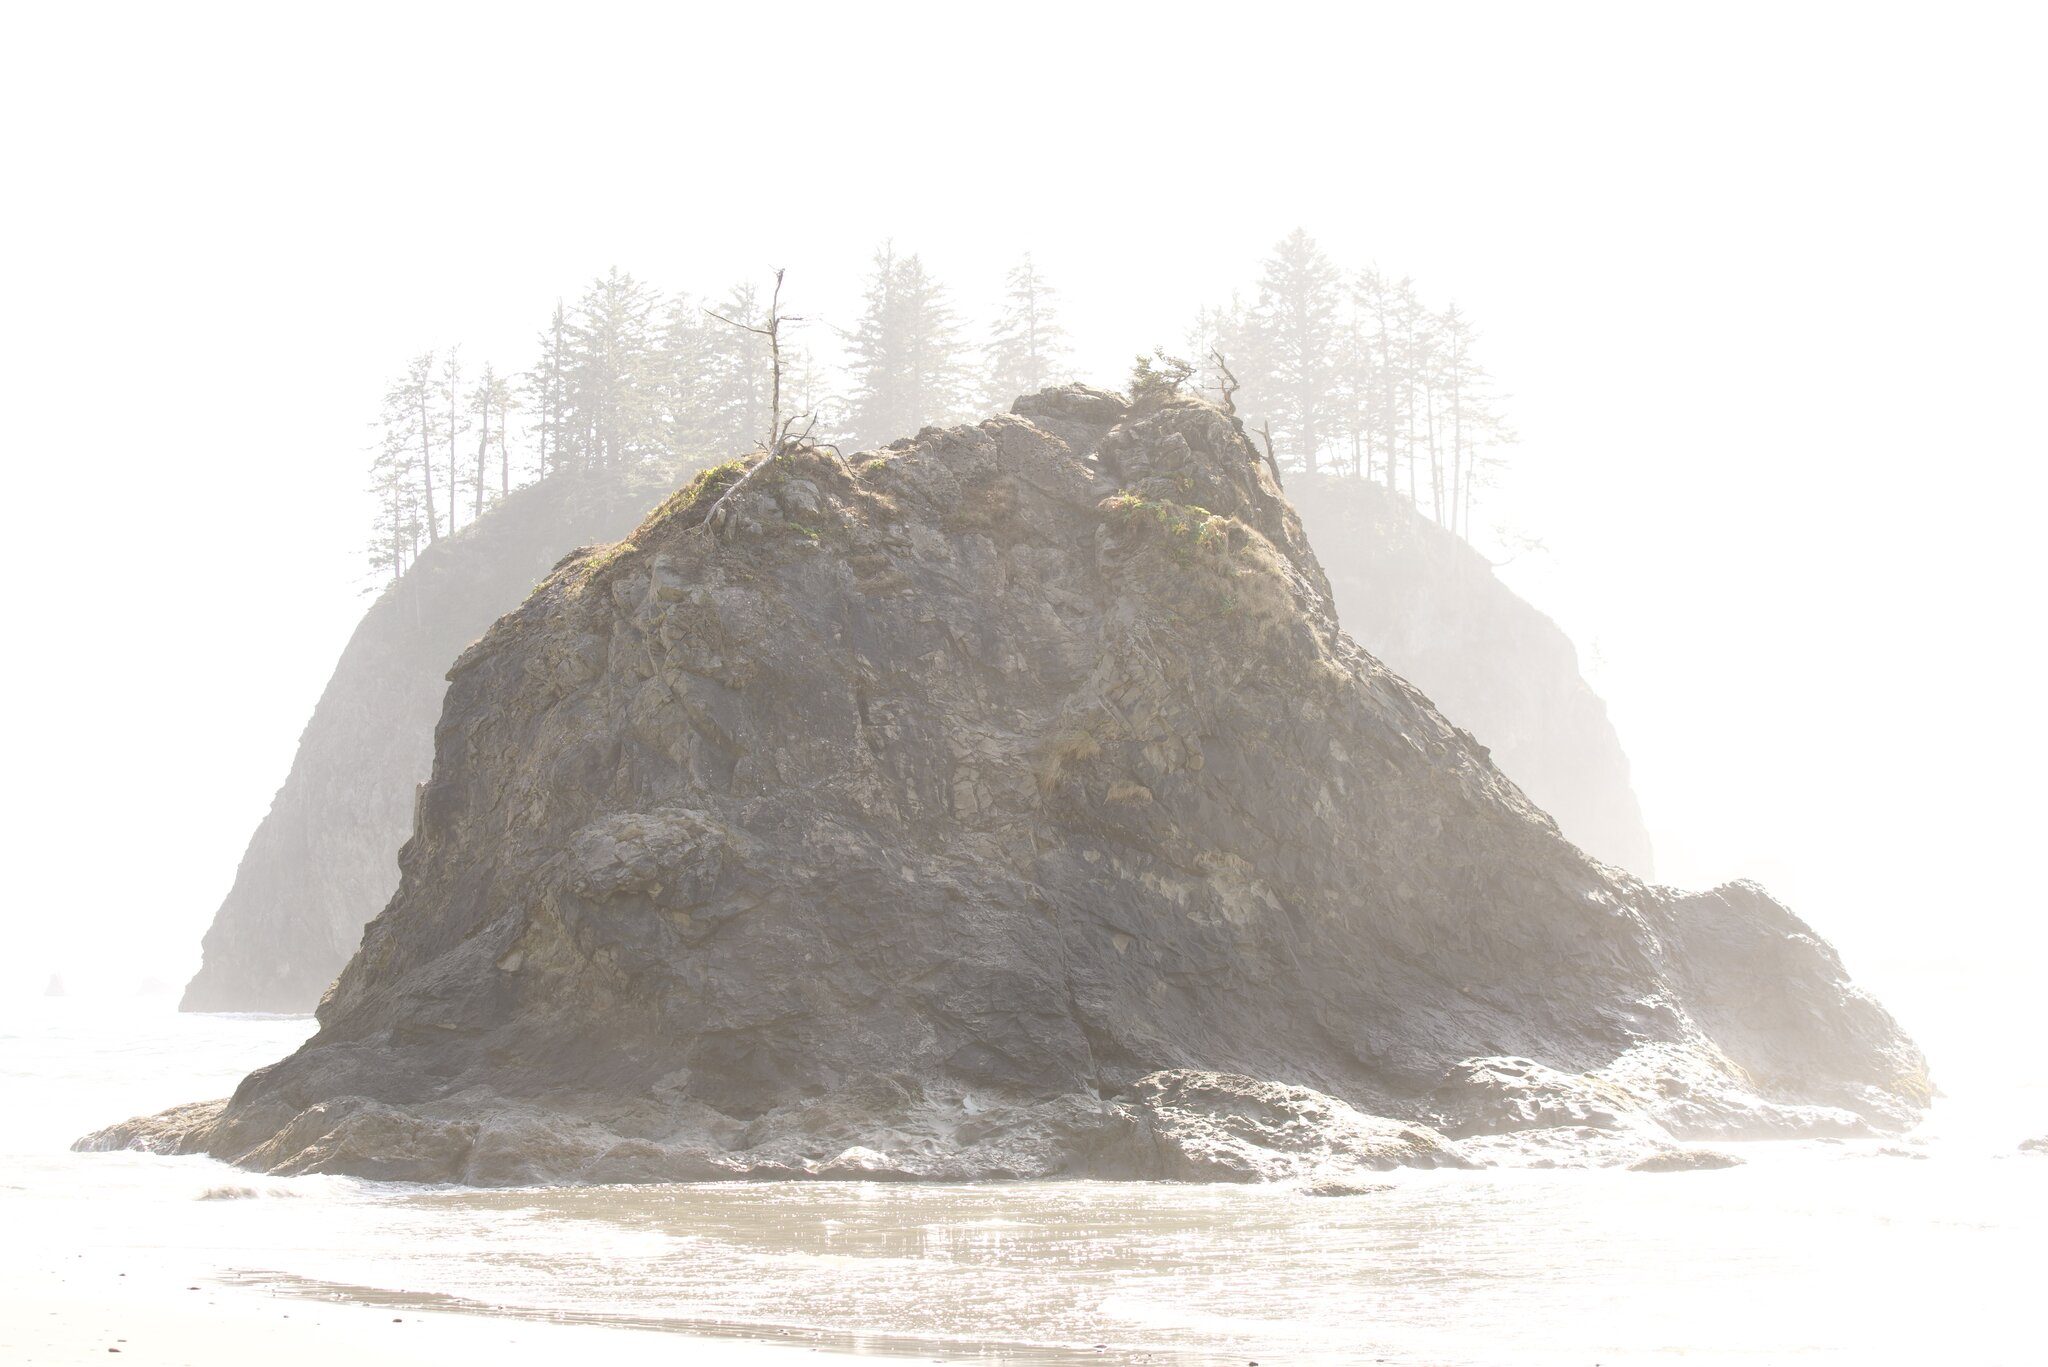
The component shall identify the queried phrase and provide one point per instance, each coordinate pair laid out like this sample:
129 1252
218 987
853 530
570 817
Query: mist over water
1757 284
1812 1252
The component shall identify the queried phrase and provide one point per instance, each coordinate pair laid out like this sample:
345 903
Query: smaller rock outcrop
324 859
1424 601
1685 1160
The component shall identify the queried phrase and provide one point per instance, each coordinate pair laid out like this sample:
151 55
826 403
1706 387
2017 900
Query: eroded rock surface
1008 802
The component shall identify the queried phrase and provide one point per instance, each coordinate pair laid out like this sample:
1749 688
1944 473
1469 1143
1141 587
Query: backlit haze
1763 286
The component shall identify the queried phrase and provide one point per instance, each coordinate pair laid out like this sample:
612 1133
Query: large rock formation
1008 802
325 858
1429 606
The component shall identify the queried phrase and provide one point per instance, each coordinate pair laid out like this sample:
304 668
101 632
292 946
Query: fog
1762 286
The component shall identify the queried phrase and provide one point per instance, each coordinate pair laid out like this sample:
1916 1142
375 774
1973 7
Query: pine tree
736 376
449 393
402 467
395 534
487 404
507 400
1474 428
1376 376
1027 349
905 353
681 364
1354 389
547 390
1401 389
1411 346
414 395
1297 320
613 399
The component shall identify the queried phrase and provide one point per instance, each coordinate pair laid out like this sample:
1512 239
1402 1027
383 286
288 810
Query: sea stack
1008 802
1425 603
324 859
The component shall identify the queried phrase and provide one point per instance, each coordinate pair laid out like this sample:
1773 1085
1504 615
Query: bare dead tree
778 430
1266 435
783 434
1225 381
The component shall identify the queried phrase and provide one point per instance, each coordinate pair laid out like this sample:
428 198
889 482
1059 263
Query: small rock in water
228 1194
1685 1160
1346 1186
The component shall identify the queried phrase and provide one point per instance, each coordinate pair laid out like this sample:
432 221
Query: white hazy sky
1765 282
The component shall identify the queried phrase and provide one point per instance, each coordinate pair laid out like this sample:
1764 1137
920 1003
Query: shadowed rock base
1181 1125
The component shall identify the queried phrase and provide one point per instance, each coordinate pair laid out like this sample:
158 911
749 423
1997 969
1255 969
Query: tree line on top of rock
1354 375
1345 374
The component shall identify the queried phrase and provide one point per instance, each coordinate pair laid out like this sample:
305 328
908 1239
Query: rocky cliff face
1429 606
324 860
1008 802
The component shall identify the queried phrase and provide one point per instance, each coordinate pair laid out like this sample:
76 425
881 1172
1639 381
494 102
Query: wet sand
89 1307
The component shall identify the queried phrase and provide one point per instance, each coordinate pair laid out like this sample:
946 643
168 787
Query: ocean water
1934 1249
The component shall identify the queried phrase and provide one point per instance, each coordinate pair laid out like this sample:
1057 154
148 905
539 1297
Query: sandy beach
85 1306
134 1258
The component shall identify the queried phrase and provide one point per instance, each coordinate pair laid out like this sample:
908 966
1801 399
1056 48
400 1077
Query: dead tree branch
1266 435
1225 381
777 431
782 434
